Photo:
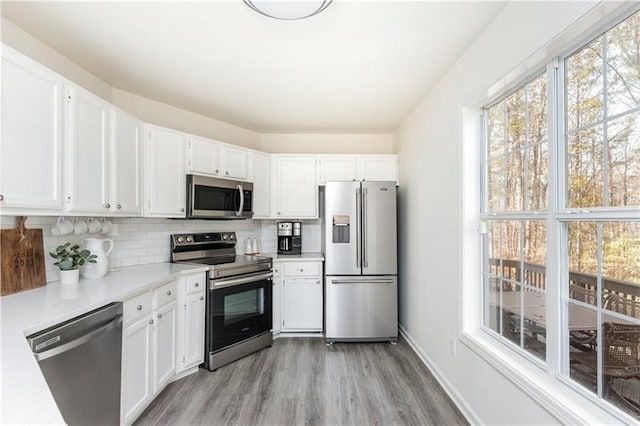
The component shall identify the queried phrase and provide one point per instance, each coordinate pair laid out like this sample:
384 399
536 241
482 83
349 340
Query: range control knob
225 237
231 236
189 238
180 240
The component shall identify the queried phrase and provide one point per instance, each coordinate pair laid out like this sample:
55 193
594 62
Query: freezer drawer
361 308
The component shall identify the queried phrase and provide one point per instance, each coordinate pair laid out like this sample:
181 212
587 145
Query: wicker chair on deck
620 357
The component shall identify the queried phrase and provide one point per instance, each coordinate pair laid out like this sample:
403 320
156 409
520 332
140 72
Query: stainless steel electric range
238 305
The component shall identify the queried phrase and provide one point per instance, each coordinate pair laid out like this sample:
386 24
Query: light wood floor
301 381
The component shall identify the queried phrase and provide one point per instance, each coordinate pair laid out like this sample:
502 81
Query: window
517 183
592 209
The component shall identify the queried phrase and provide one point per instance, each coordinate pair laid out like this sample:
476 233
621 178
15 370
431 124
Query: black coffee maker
289 238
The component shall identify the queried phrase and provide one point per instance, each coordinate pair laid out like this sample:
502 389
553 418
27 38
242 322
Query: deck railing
535 275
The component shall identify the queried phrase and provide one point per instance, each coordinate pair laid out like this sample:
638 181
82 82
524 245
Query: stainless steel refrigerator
360 248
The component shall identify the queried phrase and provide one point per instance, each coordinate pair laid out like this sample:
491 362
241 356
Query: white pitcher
100 268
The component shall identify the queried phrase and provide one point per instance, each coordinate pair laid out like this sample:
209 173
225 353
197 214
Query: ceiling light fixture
288 10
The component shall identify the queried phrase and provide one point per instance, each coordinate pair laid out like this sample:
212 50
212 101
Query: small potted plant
69 260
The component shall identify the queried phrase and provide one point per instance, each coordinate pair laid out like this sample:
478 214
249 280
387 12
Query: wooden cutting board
22 261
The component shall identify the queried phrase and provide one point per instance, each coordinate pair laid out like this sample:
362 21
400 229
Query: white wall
320 143
430 207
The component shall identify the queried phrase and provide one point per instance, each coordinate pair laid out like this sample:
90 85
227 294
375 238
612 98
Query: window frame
558 215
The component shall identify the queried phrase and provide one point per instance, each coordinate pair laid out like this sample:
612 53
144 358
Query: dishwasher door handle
80 340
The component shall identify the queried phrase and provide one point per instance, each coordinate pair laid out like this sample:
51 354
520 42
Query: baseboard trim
457 399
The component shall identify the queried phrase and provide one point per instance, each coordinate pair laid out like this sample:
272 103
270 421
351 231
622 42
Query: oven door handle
215 284
241 191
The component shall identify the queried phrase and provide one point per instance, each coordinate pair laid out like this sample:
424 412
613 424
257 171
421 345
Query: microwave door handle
239 212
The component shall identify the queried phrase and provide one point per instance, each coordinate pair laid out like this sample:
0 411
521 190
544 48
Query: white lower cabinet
302 296
148 348
191 305
164 341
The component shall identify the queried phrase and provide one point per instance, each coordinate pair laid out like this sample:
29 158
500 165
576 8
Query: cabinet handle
201 297
278 213
196 285
139 307
159 316
1 197
107 206
317 281
226 173
217 171
301 270
150 321
169 293
119 206
182 210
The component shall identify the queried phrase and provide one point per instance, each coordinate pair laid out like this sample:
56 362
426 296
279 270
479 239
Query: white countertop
25 396
304 257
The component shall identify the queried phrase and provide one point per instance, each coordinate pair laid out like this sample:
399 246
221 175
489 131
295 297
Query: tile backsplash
139 241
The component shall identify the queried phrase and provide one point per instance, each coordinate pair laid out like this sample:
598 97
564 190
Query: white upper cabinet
202 156
87 153
126 164
260 175
378 167
165 179
296 193
233 162
336 167
31 144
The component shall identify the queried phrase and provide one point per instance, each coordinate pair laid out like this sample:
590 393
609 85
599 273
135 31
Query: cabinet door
136 368
202 156
194 330
296 190
277 300
342 167
165 178
260 175
31 143
302 304
126 164
164 346
87 153
233 162
378 167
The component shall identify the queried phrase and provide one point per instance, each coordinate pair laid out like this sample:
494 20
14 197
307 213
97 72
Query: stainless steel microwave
211 198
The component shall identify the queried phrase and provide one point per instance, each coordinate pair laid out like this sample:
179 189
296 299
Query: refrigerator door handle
363 281
364 228
358 227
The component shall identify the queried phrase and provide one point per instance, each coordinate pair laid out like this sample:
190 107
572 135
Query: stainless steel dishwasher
81 361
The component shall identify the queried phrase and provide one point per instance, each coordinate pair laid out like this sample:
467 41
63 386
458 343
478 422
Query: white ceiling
356 67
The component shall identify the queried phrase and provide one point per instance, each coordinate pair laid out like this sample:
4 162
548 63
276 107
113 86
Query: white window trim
558 394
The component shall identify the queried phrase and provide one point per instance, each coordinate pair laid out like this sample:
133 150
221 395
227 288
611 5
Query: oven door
239 308
210 198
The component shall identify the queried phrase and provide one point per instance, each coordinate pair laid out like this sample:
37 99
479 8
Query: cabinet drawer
302 269
164 294
137 307
195 283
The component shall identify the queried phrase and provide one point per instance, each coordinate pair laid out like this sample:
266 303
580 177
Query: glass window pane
492 305
510 250
516 120
511 314
515 181
620 374
624 160
584 86
623 72
584 168
621 267
537 110
496 126
534 252
582 344
536 179
496 183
